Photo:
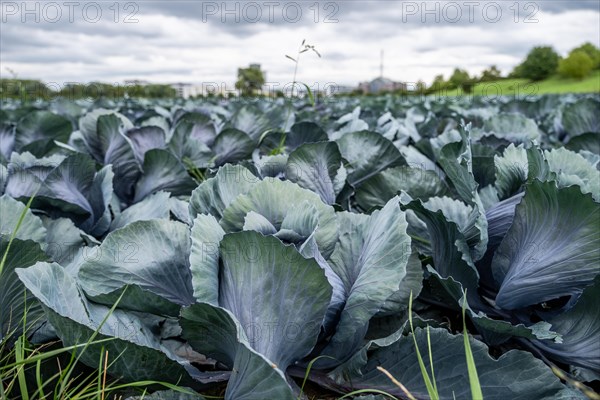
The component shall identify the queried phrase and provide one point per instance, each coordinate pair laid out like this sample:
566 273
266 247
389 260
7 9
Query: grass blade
19 355
431 389
311 97
310 364
476 393
431 361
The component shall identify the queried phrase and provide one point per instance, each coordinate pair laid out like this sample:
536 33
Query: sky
205 42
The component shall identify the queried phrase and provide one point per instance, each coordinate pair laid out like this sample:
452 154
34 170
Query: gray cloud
178 41
241 18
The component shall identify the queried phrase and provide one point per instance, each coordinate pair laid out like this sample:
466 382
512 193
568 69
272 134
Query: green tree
490 74
250 80
541 62
459 77
517 72
438 83
159 91
577 65
24 89
592 51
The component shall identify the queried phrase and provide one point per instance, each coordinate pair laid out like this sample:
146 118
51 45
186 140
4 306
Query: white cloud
176 46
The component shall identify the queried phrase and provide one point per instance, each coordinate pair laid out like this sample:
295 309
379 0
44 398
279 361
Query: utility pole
381 65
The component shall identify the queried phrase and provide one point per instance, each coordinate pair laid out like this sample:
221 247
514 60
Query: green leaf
348 123
88 125
37 131
7 140
512 169
64 240
456 159
152 255
368 154
189 141
232 145
304 132
274 199
266 321
169 395
580 328
75 190
371 258
430 382
317 167
581 117
271 166
3 178
572 169
197 127
411 283
204 258
75 320
586 141
515 375
115 148
252 121
450 252
15 301
214 195
255 377
537 261
163 171
418 183
31 227
144 139
494 331
26 173
268 285
515 128
151 207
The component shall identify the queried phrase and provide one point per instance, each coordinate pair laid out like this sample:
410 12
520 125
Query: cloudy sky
201 42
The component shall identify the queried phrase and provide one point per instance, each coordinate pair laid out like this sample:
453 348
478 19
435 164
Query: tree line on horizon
540 63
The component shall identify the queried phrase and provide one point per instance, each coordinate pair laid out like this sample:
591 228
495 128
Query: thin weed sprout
303 48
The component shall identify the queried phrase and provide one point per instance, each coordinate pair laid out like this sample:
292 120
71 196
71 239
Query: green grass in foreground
523 88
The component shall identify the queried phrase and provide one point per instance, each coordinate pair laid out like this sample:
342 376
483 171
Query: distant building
381 84
339 90
136 82
187 90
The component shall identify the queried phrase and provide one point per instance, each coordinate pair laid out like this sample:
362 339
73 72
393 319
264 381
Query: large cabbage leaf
264 324
274 199
515 375
552 248
370 257
15 300
76 319
152 255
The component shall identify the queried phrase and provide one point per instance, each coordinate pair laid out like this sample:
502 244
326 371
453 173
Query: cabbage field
281 249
